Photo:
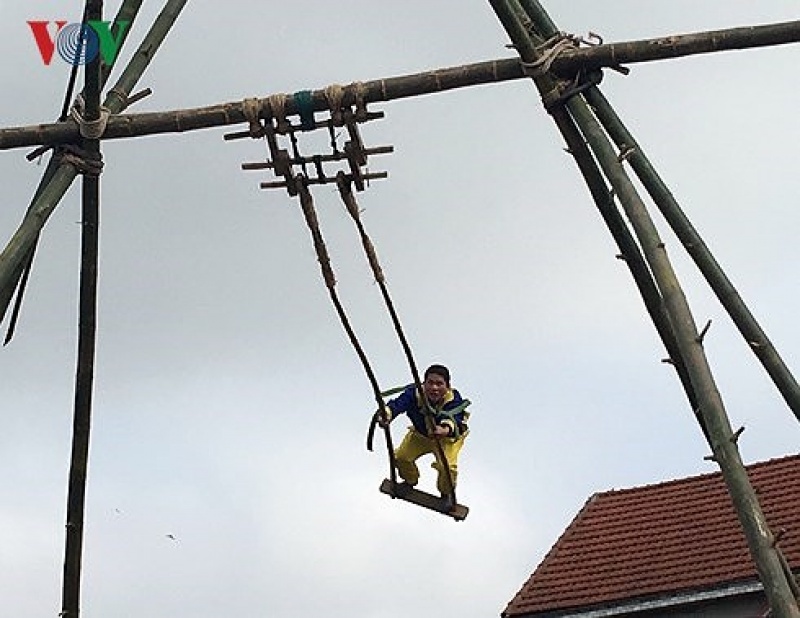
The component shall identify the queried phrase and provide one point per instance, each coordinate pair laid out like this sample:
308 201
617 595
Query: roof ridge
694 478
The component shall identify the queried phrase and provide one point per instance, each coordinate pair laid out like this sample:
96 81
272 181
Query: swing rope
346 193
312 221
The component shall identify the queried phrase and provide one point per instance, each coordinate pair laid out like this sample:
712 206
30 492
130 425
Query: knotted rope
277 106
89 129
548 51
86 162
334 95
251 108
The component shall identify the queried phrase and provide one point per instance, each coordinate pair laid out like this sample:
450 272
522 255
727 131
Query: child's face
435 387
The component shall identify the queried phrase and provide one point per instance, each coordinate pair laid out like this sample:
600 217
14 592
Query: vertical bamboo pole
76 494
723 440
24 239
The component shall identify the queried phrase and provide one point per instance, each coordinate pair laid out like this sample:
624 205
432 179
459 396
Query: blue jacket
450 413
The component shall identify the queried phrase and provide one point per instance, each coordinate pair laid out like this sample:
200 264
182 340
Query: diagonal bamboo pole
22 243
629 249
127 12
723 440
694 244
76 493
404 86
696 247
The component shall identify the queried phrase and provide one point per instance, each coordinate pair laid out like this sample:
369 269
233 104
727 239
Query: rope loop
277 106
334 95
548 51
305 108
251 109
360 98
93 129
86 162
564 90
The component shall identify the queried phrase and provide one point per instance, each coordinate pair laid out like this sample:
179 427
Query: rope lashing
89 129
334 95
305 107
251 108
87 163
548 51
360 98
565 90
277 106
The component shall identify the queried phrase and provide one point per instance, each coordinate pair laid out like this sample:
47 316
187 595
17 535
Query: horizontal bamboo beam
404 86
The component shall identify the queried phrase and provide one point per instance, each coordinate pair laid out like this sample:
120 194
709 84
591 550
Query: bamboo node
625 153
702 335
778 537
737 434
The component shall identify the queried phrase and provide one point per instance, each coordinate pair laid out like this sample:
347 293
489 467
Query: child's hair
439 370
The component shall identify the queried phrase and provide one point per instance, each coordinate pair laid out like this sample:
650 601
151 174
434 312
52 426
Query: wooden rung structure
291 166
281 184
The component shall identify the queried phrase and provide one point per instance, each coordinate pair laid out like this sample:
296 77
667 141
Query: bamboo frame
22 243
722 439
647 259
417 84
127 12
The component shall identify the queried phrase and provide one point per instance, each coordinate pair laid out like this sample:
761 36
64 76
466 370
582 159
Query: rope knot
89 129
277 105
251 108
548 51
86 162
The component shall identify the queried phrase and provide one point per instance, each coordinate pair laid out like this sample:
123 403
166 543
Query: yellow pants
415 445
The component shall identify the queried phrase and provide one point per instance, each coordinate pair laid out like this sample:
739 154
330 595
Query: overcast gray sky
230 411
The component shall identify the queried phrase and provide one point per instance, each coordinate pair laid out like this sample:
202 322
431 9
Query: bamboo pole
404 86
696 247
629 249
127 13
76 494
723 440
23 241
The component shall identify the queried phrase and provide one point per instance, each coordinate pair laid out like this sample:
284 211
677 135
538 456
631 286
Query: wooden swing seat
420 498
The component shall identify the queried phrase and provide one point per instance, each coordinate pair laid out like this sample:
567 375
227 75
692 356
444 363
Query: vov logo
77 43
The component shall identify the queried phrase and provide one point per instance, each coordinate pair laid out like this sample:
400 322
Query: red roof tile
677 536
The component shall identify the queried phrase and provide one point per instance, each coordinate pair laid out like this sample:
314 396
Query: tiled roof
652 541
